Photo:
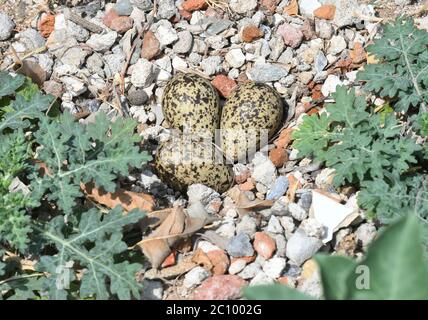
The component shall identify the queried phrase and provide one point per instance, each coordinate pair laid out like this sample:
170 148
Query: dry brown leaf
243 204
157 246
32 70
293 186
202 259
182 267
292 9
127 199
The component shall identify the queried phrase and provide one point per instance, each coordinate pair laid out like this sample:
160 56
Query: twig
83 22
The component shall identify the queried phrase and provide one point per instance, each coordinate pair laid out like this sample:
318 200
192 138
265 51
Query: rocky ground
117 57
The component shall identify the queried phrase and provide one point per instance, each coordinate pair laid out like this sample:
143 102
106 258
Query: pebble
240 246
142 73
247 225
320 61
195 277
235 58
184 43
226 229
224 85
30 39
242 6
266 72
179 63
330 85
220 287
366 233
278 189
46 24
297 212
306 200
292 36
312 228
165 32
166 9
288 224
274 267
300 247
337 45
122 24
281 245
211 65
324 29
151 46
113 63
326 12
280 207
144 5
274 226
102 42
250 271
137 96
6 26
123 7
206 246
264 245
250 33
218 26
261 278
152 290
220 261
237 266
53 87
307 7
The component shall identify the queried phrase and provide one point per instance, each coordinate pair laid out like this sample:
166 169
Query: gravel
184 43
6 26
142 74
301 247
240 246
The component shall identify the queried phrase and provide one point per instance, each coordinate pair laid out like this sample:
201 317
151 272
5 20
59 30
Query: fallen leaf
182 267
243 204
201 259
294 184
32 70
158 245
292 9
127 199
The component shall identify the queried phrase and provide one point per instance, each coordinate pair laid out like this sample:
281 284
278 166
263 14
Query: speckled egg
190 101
181 162
253 111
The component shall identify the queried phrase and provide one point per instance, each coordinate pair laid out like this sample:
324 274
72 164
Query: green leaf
274 292
94 245
334 271
76 153
402 72
9 84
396 263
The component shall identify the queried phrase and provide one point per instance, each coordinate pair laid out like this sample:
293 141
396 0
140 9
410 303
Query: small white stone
102 42
237 266
195 277
274 226
261 278
330 85
297 212
142 73
235 58
274 267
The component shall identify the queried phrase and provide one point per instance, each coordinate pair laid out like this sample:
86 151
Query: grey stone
274 226
300 247
195 277
266 72
102 42
77 32
211 65
45 61
219 25
324 29
366 233
337 45
166 9
242 6
297 212
288 224
164 32
312 228
235 58
6 26
306 200
144 5
345 12
95 64
280 207
152 290
184 43
264 171
74 56
30 39
320 61
250 271
123 7
281 245
261 278
277 46
142 74
274 267
113 64
137 96
247 225
240 246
